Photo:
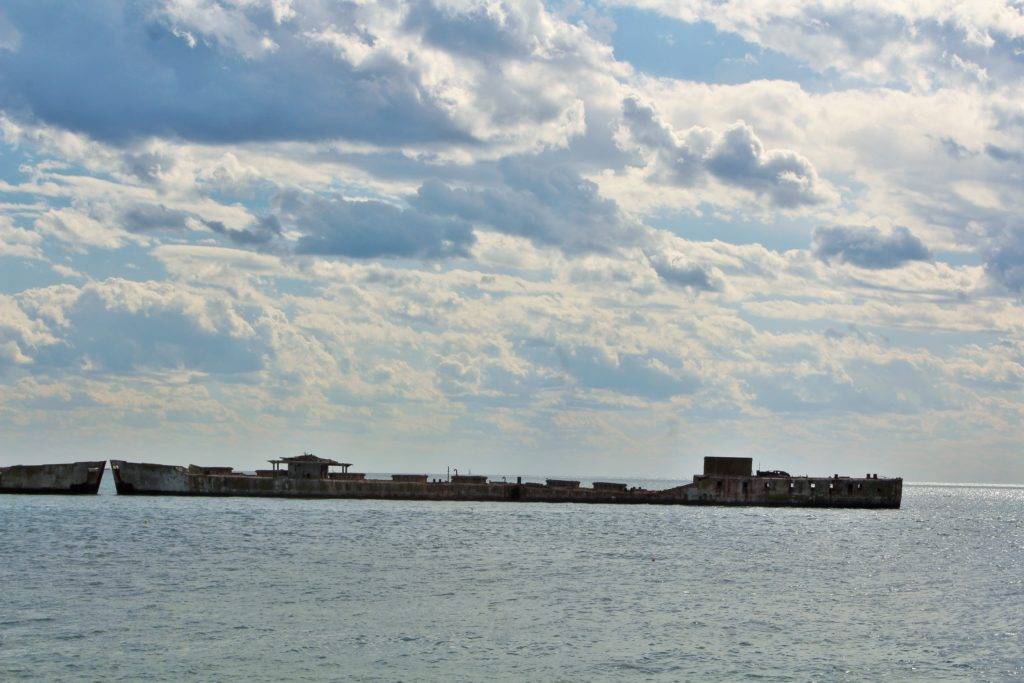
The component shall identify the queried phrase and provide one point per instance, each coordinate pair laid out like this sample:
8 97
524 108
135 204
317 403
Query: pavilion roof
309 457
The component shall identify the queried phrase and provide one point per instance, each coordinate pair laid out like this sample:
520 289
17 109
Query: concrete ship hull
150 479
67 478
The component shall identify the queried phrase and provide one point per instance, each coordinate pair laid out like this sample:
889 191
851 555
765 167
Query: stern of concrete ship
63 478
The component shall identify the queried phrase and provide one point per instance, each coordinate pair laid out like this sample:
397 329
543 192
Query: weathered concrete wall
75 477
138 478
609 485
422 478
798 491
468 479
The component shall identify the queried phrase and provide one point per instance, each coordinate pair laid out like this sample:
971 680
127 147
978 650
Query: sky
579 238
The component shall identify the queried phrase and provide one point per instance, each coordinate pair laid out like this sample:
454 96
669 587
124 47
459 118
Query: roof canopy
309 457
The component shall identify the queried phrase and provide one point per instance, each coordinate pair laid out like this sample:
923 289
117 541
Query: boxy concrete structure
727 467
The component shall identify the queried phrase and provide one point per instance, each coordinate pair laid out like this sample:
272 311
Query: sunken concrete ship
73 477
725 481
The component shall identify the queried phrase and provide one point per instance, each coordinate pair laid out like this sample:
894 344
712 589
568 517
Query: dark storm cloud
335 226
549 206
868 247
115 71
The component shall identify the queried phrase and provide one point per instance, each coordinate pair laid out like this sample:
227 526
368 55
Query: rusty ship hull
710 488
64 478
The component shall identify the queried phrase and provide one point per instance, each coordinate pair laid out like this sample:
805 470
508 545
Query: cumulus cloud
147 165
219 72
15 241
868 247
118 326
1003 154
785 176
736 156
917 45
483 31
550 206
21 335
79 230
631 374
141 217
262 230
508 138
158 82
681 272
335 226
1004 260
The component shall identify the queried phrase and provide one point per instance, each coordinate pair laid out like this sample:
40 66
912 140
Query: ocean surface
110 588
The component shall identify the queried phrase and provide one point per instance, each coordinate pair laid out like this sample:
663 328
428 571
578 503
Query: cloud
15 241
550 206
651 375
868 247
859 385
147 217
219 72
159 83
1004 260
79 230
1003 154
122 327
21 335
147 165
736 157
335 226
918 45
954 149
484 31
261 231
680 272
10 38
275 182
785 176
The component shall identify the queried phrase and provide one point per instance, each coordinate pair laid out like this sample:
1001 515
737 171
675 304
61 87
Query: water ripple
246 589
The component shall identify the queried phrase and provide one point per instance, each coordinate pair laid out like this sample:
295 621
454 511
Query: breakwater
725 481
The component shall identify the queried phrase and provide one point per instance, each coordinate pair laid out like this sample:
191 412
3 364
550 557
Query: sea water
145 588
